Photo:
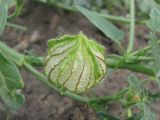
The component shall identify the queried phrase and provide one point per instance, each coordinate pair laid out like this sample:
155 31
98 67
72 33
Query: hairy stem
113 61
116 62
72 9
109 17
19 27
132 26
16 57
44 80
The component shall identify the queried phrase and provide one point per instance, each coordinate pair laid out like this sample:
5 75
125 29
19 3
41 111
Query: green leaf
154 25
147 5
12 99
102 24
155 53
6 2
147 114
11 73
4 5
10 83
134 82
158 1
3 17
154 22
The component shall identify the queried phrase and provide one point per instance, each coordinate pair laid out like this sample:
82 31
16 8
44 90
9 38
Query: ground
44 23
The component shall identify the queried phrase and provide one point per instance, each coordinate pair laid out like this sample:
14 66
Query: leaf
147 5
102 24
4 5
147 114
3 17
154 21
11 73
134 82
154 25
155 53
10 83
6 2
12 99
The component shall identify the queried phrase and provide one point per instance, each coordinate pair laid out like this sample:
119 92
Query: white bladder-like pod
75 63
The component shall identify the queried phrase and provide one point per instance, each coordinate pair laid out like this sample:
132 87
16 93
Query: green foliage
134 82
3 15
102 24
75 64
154 25
91 4
19 6
139 96
147 5
6 2
4 6
10 84
154 22
155 52
147 114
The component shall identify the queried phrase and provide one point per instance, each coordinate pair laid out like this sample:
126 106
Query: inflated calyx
75 63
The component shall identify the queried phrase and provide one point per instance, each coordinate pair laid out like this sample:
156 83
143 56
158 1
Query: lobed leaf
154 21
11 73
147 5
154 25
134 82
147 114
10 83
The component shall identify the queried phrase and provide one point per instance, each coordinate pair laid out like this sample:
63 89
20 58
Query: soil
44 23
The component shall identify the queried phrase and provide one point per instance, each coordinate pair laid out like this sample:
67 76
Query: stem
115 18
44 80
59 5
19 6
16 57
147 80
72 9
132 26
109 17
143 50
145 59
16 26
35 60
20 59
111 62
117 62
113 97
